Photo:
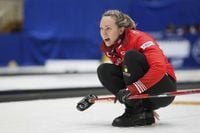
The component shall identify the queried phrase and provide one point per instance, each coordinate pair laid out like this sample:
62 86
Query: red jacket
144 43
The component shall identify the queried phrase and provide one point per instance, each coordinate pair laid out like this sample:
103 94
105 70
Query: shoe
129 119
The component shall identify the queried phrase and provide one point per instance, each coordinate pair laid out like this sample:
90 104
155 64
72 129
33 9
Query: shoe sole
146 122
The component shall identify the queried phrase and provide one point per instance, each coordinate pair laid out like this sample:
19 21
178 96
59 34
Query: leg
111 77
140 112
136 65
166 84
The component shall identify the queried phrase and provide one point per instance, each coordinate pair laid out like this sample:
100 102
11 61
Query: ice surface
37 82
61 116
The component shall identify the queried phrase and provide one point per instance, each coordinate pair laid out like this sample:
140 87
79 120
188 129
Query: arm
157 67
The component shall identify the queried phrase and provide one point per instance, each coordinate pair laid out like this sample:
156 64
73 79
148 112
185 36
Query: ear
121 30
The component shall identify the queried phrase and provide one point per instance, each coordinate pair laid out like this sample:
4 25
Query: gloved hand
123 95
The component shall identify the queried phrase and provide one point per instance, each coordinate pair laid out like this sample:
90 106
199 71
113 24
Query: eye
105 29
108 28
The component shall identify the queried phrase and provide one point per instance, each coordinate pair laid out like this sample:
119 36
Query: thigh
134 66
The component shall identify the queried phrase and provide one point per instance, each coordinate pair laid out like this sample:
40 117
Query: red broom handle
145 96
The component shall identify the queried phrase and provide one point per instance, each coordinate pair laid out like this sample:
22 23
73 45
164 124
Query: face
109 30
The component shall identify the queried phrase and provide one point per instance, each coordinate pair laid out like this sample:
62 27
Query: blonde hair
122 19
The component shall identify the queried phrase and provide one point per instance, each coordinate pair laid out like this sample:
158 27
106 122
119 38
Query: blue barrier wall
69 29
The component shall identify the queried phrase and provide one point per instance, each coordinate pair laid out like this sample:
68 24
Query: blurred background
53 45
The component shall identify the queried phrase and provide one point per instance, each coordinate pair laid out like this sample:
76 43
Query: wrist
133 89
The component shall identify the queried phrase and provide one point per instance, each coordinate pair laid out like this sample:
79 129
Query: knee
134 54
100 68
103 69
103 72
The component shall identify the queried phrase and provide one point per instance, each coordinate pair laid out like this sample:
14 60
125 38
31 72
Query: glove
123 95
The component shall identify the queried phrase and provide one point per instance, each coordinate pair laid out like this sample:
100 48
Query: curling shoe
129 119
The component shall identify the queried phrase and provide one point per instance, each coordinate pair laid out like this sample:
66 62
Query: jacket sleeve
157 67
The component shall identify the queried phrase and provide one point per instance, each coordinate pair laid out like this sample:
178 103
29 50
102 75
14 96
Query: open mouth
107 39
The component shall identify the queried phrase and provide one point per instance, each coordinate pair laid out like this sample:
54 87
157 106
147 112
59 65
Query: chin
108 44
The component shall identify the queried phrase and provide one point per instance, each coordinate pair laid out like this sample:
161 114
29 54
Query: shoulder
140 39
138 34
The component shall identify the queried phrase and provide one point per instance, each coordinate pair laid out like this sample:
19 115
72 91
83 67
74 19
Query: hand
123 95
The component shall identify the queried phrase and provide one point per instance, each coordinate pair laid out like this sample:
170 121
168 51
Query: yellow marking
190 103
125 70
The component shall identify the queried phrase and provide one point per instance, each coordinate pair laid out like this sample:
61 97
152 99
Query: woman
138 66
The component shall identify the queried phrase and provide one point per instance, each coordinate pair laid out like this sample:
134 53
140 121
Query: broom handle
145 96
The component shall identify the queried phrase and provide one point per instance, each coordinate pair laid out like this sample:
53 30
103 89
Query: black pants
114 78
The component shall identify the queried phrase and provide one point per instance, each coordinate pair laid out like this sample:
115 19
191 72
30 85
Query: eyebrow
105 26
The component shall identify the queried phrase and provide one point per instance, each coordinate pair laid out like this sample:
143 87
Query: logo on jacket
146 45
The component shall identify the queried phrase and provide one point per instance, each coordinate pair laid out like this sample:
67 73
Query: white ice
85 80
61 116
